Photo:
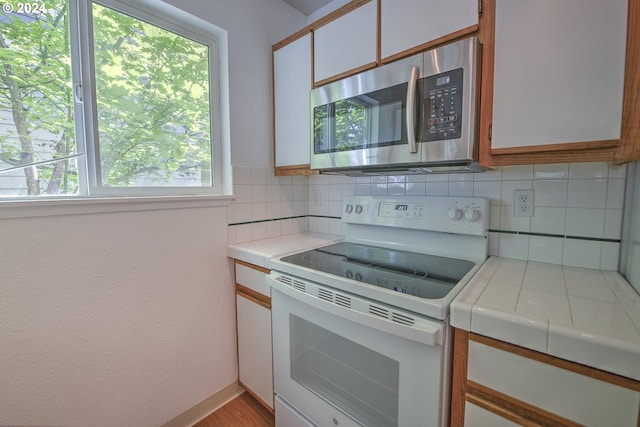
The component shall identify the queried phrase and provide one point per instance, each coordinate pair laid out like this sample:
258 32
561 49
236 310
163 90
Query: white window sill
85 206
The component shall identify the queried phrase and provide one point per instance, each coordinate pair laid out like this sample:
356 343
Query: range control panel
462 215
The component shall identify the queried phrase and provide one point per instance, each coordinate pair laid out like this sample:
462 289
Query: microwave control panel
442 106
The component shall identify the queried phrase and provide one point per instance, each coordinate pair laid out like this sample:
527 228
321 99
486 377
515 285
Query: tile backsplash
577 207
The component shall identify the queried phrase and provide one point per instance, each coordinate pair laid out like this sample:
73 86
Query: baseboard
206 407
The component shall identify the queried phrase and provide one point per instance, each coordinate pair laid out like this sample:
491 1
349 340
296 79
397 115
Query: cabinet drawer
568 394
252 277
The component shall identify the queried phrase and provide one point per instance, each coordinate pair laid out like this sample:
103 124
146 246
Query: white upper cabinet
558 71
346 43
406 24
291 87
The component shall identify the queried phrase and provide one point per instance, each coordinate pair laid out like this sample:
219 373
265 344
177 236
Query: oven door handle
425 331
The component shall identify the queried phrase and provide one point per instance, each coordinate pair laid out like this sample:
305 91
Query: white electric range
360 327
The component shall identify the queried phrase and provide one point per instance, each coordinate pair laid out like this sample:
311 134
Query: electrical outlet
523 202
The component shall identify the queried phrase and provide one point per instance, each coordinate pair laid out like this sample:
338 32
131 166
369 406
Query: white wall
128 318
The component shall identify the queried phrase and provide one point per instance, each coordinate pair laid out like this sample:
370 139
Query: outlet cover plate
523 203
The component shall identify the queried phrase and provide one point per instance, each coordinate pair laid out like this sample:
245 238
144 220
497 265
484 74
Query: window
104 98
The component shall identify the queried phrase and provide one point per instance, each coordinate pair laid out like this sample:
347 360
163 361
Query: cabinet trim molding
577 368
253 296
630 133
253 266
465 32
513 409
295 170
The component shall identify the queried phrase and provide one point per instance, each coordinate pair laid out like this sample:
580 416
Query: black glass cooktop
421 275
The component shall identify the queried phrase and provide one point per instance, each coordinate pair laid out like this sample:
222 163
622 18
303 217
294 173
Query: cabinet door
428 20
254 348
291 86
558 76
475 416
346 44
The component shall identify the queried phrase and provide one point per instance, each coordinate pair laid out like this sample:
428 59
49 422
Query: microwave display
442 106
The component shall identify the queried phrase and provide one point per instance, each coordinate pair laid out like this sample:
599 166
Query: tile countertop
259 252
586 316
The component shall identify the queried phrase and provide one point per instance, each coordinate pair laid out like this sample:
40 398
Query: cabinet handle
411 100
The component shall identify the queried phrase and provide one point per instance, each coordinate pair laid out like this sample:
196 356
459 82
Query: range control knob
472 215
349 208
455 214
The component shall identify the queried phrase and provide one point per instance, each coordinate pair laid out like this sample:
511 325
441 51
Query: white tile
589 170
583 222
273 193
416 188
494 217
258 193
615 193
260 231
244 233
363 180
286 193
417 177
489 175
396 178
494 244
363 189
231 214
299 192
602 318
510 222
588 283
457 177
520 172
551 171
587 193
613 223
541 305
258 175
379 180
437 188
529 333
335 208
273 229
241 175
258 211
396 189
545 278
335 226
610 258
379 189
438 177
348 189
242 193
513 246
502 298
510 272
581 253
232 238
286 209
243 212
549 220
299 208
491 190
546 249
335 191
461 188
550 192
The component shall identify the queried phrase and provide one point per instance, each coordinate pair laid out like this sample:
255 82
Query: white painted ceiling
307 6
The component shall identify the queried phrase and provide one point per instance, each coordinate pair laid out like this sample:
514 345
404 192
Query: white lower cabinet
499 384
478 417
255 357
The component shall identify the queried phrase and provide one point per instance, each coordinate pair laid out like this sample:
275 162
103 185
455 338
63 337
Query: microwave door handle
411 100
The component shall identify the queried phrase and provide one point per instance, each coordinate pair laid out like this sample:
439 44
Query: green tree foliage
152 94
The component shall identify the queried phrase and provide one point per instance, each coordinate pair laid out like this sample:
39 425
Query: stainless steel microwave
415 115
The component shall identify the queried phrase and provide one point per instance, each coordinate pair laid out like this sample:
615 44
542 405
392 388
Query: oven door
340 366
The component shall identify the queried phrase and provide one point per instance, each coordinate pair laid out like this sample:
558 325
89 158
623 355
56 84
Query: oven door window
375 119
347 375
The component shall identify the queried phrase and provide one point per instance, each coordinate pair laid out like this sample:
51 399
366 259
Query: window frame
169 18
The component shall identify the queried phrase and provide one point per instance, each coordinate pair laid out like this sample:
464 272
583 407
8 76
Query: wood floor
243 411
